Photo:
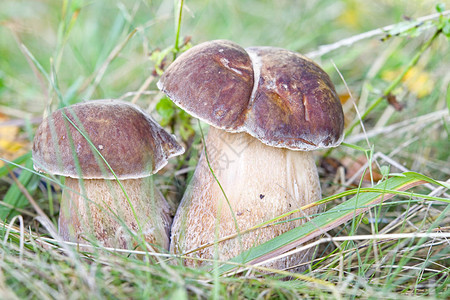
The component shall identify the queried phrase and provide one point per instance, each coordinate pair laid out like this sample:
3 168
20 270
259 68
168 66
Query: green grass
56 53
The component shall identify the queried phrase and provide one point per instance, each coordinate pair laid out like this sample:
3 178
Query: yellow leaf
416 80
419 82
353 14
349 18
11 146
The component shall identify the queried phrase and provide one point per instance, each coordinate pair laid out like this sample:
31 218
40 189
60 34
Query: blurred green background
79 35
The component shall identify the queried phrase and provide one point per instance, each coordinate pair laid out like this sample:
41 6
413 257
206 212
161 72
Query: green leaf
384 170
440 7
186 131
166 110
332 218
158 56
446 28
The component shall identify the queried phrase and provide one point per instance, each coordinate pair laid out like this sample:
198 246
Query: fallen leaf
392 100
11 144
355 165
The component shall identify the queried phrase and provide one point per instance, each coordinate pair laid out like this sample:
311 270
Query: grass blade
325 222
14 195
18 161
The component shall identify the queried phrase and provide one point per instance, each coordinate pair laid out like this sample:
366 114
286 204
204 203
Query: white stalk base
261 183
96 215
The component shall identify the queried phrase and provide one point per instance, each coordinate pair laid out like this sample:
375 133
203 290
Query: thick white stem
260 182
96 214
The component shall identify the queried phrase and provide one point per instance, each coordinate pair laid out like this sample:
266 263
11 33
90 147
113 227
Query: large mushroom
93 204
268 108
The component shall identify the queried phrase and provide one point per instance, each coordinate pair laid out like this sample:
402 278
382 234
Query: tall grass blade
14 196
329 220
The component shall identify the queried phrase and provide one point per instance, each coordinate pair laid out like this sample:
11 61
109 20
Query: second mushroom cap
133 145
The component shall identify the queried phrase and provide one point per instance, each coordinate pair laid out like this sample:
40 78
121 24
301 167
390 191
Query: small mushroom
93 204
268 108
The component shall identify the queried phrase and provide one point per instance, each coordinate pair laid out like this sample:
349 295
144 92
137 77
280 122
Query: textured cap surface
130 141
212 81
295 104
278 96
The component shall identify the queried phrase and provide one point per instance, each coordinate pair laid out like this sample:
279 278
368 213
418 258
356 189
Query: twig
351 40
395 82
21 122
142 89
409 125
130 94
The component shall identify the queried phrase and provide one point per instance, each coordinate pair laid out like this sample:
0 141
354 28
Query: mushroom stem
91 208
260 182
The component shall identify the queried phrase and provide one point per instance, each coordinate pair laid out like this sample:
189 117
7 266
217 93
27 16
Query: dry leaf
355 165
392 100
11 145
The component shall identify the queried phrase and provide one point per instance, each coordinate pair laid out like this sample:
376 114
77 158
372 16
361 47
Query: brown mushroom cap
213 82
131 142
278 96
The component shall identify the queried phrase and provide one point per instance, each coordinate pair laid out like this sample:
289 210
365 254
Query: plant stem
176 47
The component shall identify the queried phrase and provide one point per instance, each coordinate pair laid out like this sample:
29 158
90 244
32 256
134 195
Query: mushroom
93 204
268 108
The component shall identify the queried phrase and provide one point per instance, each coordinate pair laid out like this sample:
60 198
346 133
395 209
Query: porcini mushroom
93 204
268 108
